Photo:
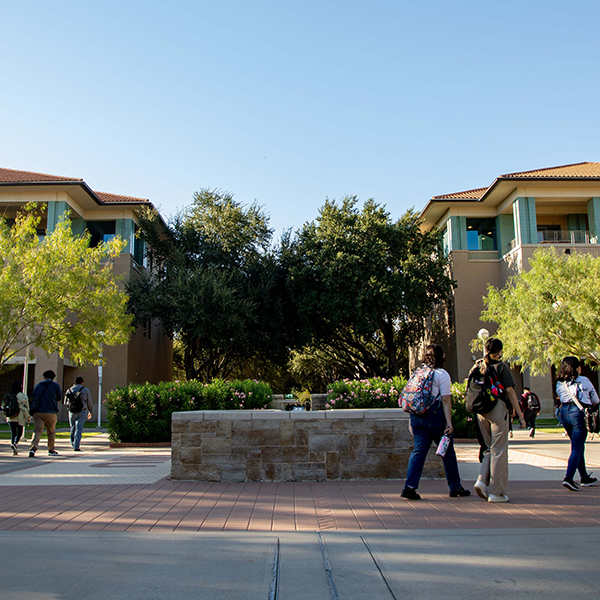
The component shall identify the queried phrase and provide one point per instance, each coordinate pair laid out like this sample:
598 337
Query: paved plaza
133 533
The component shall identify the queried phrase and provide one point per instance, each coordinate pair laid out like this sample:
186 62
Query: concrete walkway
134 534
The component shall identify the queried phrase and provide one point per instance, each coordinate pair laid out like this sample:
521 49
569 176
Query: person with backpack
490 390
530 407
78 400
575 393
44 408
17 416
430 409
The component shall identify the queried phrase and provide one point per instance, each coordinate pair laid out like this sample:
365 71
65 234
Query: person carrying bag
578 411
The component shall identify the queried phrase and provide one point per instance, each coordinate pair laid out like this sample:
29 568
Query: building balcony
560 237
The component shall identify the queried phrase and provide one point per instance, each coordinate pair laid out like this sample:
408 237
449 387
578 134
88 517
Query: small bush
142 412
365 393
385 393
462 420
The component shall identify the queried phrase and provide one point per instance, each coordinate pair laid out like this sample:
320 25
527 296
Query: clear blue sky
288 103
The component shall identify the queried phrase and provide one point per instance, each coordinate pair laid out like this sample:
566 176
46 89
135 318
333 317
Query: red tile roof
9 176
582 170
115 198
468 195
12 176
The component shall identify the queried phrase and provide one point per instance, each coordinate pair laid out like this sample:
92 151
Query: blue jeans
428 428
574 424
76 421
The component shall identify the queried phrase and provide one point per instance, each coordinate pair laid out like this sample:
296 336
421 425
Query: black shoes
410 494
571 485
588 481
52 453
459 493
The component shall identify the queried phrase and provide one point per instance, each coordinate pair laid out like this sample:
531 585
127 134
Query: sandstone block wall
240 445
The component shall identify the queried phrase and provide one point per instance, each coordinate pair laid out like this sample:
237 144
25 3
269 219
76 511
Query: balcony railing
566 237
558 237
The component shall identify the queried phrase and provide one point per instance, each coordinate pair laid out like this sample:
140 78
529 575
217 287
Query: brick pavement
168 506
115 491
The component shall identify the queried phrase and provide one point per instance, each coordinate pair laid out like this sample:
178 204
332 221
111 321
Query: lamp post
100 335
483 335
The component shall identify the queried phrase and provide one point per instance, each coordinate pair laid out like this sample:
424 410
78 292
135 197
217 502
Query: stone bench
272 445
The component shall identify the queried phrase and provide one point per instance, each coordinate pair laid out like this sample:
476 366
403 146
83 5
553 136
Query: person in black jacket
46 395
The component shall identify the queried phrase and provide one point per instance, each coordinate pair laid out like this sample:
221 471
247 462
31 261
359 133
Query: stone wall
270 445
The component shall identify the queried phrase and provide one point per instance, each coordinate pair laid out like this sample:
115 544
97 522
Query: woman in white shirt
430 427
572 385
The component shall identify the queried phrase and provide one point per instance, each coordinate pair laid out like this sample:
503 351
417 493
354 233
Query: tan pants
494 467
41 420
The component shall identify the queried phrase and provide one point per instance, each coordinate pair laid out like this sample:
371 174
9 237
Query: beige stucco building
491 233
148 355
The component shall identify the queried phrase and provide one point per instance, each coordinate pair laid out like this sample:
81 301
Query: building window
481 234
100 231
138 248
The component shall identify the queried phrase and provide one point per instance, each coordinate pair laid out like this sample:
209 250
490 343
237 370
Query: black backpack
533 403
73 401
483 390
10 406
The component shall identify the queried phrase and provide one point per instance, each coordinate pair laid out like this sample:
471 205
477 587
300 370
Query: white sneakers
482 492
496 498
481 489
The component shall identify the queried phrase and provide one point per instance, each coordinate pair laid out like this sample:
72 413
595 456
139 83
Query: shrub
142 412
365 393
462 420
385 393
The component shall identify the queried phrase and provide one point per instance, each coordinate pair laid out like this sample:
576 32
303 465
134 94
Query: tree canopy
366 284
216 284
550 311
57 293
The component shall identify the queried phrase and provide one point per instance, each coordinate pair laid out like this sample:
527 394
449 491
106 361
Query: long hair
568 368
434 356
17 386
492 346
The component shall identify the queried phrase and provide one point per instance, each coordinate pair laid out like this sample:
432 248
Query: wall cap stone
281 415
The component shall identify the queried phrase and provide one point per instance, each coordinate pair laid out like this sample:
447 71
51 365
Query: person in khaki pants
492 483
47 394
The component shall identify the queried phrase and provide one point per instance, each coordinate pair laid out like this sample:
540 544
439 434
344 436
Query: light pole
100 335
483 335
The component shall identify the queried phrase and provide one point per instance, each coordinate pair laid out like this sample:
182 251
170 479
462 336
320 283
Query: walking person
18 421
430 426
573 388
79 402
492 483
530 406
46 395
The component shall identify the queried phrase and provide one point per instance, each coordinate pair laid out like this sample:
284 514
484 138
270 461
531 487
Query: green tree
550 311
216 284
57 293
366 284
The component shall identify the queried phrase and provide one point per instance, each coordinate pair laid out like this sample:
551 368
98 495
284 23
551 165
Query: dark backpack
533 403
417 395
10 406
483 390
73 401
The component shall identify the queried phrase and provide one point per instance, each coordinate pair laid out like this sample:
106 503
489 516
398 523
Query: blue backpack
417 396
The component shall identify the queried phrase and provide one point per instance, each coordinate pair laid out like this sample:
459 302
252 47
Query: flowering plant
142 412
365 393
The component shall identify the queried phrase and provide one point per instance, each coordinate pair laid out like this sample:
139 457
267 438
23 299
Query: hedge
385 393
141 413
